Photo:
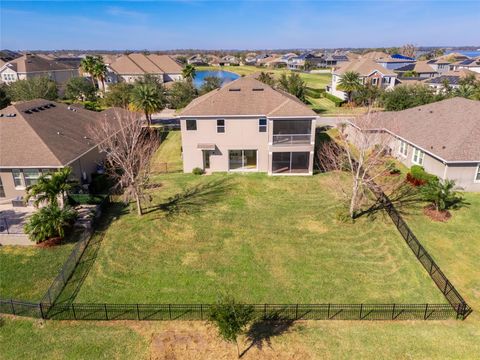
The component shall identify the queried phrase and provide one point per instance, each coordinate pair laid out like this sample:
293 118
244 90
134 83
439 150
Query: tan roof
145 64
449 129
363 66
34 63
374 55
462 73
247 96
53 136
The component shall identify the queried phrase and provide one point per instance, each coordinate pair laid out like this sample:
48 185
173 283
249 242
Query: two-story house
369 71
247 126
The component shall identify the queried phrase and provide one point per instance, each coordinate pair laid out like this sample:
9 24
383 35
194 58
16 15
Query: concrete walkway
15 239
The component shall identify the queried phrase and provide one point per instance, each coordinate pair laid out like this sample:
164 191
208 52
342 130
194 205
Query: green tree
34 88
231 319
181 93
50 187
442 194
350 82
88 64
119 95
308 65
210 83
4 99
189 72
99 71
147 98
408 96
465 90
79 88
367 95
48 222
266 78
293 84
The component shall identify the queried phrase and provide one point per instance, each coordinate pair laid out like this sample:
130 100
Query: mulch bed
50 242
441 216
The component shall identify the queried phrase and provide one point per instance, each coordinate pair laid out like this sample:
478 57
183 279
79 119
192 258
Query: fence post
106 313
328 312
418 253
41 310
296 312
431 267
138 313
170 311
361 310
201 311
13 307
445 290
73 310
425 315
393 312
264 311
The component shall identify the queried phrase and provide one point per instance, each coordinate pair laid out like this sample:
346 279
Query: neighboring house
395 62
29 66
443 137
247 126
422 70
197 60
332 60
452 77
39 136
374 55
229 60
129 68
439 65
469 64
297 62
370 73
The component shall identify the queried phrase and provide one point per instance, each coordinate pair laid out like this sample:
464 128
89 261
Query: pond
225 76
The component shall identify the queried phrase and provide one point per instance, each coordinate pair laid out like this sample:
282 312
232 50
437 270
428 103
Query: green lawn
168 156
264 239
26 272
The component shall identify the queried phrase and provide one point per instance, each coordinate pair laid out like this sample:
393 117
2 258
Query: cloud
122 12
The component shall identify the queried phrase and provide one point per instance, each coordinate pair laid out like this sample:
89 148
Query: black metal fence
201 311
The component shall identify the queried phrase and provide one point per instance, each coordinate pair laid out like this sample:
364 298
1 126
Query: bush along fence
50 308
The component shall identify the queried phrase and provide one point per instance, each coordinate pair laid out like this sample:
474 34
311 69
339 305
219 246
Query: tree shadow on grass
262 331
75 282
193 199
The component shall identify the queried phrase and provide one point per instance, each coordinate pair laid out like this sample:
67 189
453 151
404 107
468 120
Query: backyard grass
263 239
168 156
26 272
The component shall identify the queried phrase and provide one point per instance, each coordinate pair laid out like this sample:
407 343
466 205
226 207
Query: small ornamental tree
442 194
49 222
231 319
50 187
210 83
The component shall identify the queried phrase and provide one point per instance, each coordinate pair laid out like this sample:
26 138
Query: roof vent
234 89
8 115
257 89
431 111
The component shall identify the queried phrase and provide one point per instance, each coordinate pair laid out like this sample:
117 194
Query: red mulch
50 242
435 215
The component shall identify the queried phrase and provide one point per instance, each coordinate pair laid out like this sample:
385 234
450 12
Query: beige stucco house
248 126
443 137
39 136
30 65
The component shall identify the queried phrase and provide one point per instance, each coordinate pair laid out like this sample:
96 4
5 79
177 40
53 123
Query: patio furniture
18 202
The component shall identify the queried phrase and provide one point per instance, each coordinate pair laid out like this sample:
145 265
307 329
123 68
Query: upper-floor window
191 124
477 174
262 125
417 157
220 126
403 148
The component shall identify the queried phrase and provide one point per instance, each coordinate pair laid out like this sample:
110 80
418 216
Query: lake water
469 53
225 76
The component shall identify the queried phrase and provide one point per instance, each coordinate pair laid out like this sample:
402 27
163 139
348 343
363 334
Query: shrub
391 167
101 184
442 195
48 222
337 101
418 176
197 171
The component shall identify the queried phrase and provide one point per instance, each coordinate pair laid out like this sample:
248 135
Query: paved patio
12 221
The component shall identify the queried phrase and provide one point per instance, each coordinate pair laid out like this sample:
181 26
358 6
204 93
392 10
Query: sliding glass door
290 162
240 160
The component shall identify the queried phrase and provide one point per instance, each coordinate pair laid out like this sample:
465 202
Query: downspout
445 171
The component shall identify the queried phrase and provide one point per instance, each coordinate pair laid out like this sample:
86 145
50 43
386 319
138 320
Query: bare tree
363 151
129 148
408 50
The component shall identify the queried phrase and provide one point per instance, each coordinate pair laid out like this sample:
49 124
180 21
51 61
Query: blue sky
160 25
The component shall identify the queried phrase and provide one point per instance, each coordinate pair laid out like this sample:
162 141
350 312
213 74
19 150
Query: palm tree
48 222
146 98
50 186
189 72
465 90
350 82
442 194
87 65
99 71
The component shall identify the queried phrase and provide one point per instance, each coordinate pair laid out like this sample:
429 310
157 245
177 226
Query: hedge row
337 101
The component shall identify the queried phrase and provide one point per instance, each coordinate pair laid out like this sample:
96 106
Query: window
262 125
417 157
31 176
403 148
242 160
220 126
2 190
191 124
386 80
18 178
477 174
290 162
374 81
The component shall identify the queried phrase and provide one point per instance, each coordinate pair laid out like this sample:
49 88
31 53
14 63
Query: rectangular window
31 176
220 126
477 175
242 160
262 125
290 162
417 157
18 178
191 124
2 190
403 148
374 81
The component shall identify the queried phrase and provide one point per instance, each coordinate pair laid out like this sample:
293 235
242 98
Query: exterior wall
464 175
389 85
394 65
240 134
9 187
172 77
8 75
